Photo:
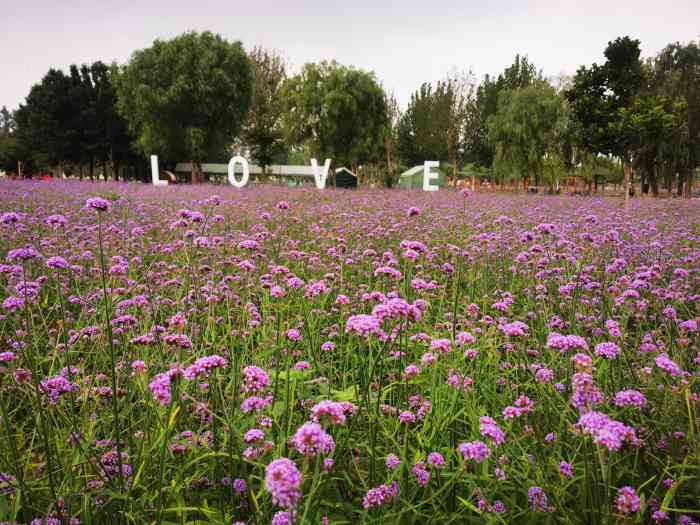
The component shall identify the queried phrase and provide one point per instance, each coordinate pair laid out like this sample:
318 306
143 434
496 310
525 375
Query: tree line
199 97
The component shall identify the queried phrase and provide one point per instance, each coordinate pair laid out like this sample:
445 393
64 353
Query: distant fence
279 170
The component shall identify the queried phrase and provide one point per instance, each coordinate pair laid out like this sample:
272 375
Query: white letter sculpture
154 172
320 178
231 171
430 175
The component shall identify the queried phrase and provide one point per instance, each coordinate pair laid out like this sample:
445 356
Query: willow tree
187 97
263 129
336 112
526 132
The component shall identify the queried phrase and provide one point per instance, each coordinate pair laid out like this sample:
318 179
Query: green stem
112 356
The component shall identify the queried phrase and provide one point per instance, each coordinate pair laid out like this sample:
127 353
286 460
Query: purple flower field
196 355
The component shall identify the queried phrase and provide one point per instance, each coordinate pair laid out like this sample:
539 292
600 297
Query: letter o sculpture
231 171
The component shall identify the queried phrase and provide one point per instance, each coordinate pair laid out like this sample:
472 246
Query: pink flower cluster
381 495
160 385
605 431
523 405
255 379
563 343
335 411
476 450
489 428
310 439
204 366
363 325
283 482
55 387
514 329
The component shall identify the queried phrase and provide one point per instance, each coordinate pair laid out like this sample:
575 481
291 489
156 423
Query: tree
526 132
521 73
44 120
115 141
424 127
676 75
600 95
337 112
7 122
460 92
391 137
433 126
648 124
186 97
13 156
103 132
263 129
84 121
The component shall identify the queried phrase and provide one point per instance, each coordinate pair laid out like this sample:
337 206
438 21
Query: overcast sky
404 42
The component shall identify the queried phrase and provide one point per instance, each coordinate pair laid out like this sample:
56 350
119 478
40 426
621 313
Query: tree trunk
655 187
92 168
115 169
654 180
196 172
627 170
680 182
689 181
389 167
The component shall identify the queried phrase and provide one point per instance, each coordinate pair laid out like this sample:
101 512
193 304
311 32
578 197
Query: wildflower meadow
208 355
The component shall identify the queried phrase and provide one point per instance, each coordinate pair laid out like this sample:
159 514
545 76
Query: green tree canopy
187 97
7 121
47 123
599 93
423 130
526 132
263 130
521 73
676 77
337 112
599 98
13 155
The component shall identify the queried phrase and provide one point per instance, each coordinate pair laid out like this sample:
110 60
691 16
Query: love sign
238 171
240 178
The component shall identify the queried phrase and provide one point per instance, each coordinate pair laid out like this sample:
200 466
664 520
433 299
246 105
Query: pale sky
404 42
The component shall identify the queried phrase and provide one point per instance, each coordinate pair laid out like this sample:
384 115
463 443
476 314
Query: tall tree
13 155
676 73
599 97
7 122
391 137
648 123
460 91
46 121
84 120
263 130
336 111
186 97
115 142
526 133
521 73
423 130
